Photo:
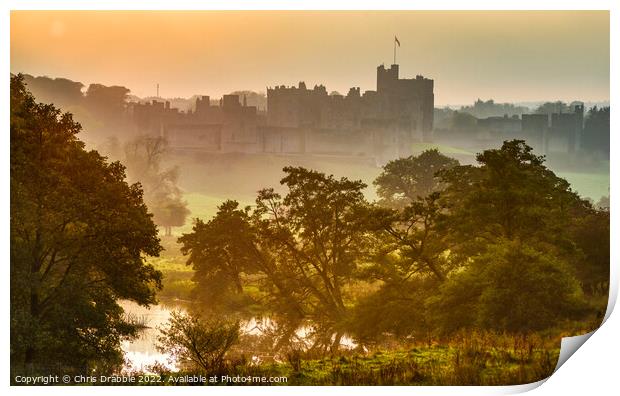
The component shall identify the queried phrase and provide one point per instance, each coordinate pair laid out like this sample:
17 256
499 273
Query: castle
380 124
553 132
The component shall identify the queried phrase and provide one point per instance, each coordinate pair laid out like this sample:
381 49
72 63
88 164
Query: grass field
588 185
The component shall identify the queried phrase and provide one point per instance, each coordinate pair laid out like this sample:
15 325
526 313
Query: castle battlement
397 113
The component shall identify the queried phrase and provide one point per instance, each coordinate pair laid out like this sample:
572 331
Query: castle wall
304 121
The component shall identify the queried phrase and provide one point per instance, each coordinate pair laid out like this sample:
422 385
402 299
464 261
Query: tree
318 235
409 242
409 256
170 212
455 255
511 195
591 235
510 226
406 180
197 343
304 246
512 287
220 252
108 102
79 236
59 91
143 156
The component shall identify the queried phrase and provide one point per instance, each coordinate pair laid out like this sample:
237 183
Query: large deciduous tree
305 246
79 235
510 195
511 224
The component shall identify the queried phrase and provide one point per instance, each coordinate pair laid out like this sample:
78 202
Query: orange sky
505 55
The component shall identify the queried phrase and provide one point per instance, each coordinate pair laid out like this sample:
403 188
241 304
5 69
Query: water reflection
141 352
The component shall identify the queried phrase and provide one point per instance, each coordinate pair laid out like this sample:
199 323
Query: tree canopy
79 237
405 180
503 245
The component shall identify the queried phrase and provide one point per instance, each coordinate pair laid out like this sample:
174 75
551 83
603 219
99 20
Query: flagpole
394 51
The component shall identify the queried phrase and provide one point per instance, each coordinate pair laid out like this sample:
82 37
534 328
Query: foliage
196 343
506 245
405 180
101 108
512 287
143 156
591 235
396 312
304 247
409 242
79 235
500 246
510 195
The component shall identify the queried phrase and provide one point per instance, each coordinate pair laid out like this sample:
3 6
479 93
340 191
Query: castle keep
381 124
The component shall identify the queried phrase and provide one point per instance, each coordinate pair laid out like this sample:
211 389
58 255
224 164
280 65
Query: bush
197 343
512 287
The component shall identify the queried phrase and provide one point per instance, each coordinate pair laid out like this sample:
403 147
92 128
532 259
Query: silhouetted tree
61 92
220 252
306 245
196 343
506 218
107 103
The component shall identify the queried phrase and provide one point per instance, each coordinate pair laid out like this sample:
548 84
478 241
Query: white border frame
592 369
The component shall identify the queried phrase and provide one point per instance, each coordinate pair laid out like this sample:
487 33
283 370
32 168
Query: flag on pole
396 40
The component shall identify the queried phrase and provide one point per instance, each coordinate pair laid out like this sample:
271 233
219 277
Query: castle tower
386 78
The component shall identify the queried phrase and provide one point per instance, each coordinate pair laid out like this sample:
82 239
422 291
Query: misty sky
504 55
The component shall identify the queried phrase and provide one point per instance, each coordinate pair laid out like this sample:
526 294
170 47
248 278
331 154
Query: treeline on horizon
503 246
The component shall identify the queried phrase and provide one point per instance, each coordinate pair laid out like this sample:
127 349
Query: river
140 353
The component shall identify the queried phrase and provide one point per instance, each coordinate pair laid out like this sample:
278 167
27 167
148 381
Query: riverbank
475 360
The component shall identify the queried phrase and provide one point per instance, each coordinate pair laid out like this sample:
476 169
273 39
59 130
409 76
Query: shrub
197 343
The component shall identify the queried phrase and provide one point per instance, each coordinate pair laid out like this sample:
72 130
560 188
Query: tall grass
469 358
